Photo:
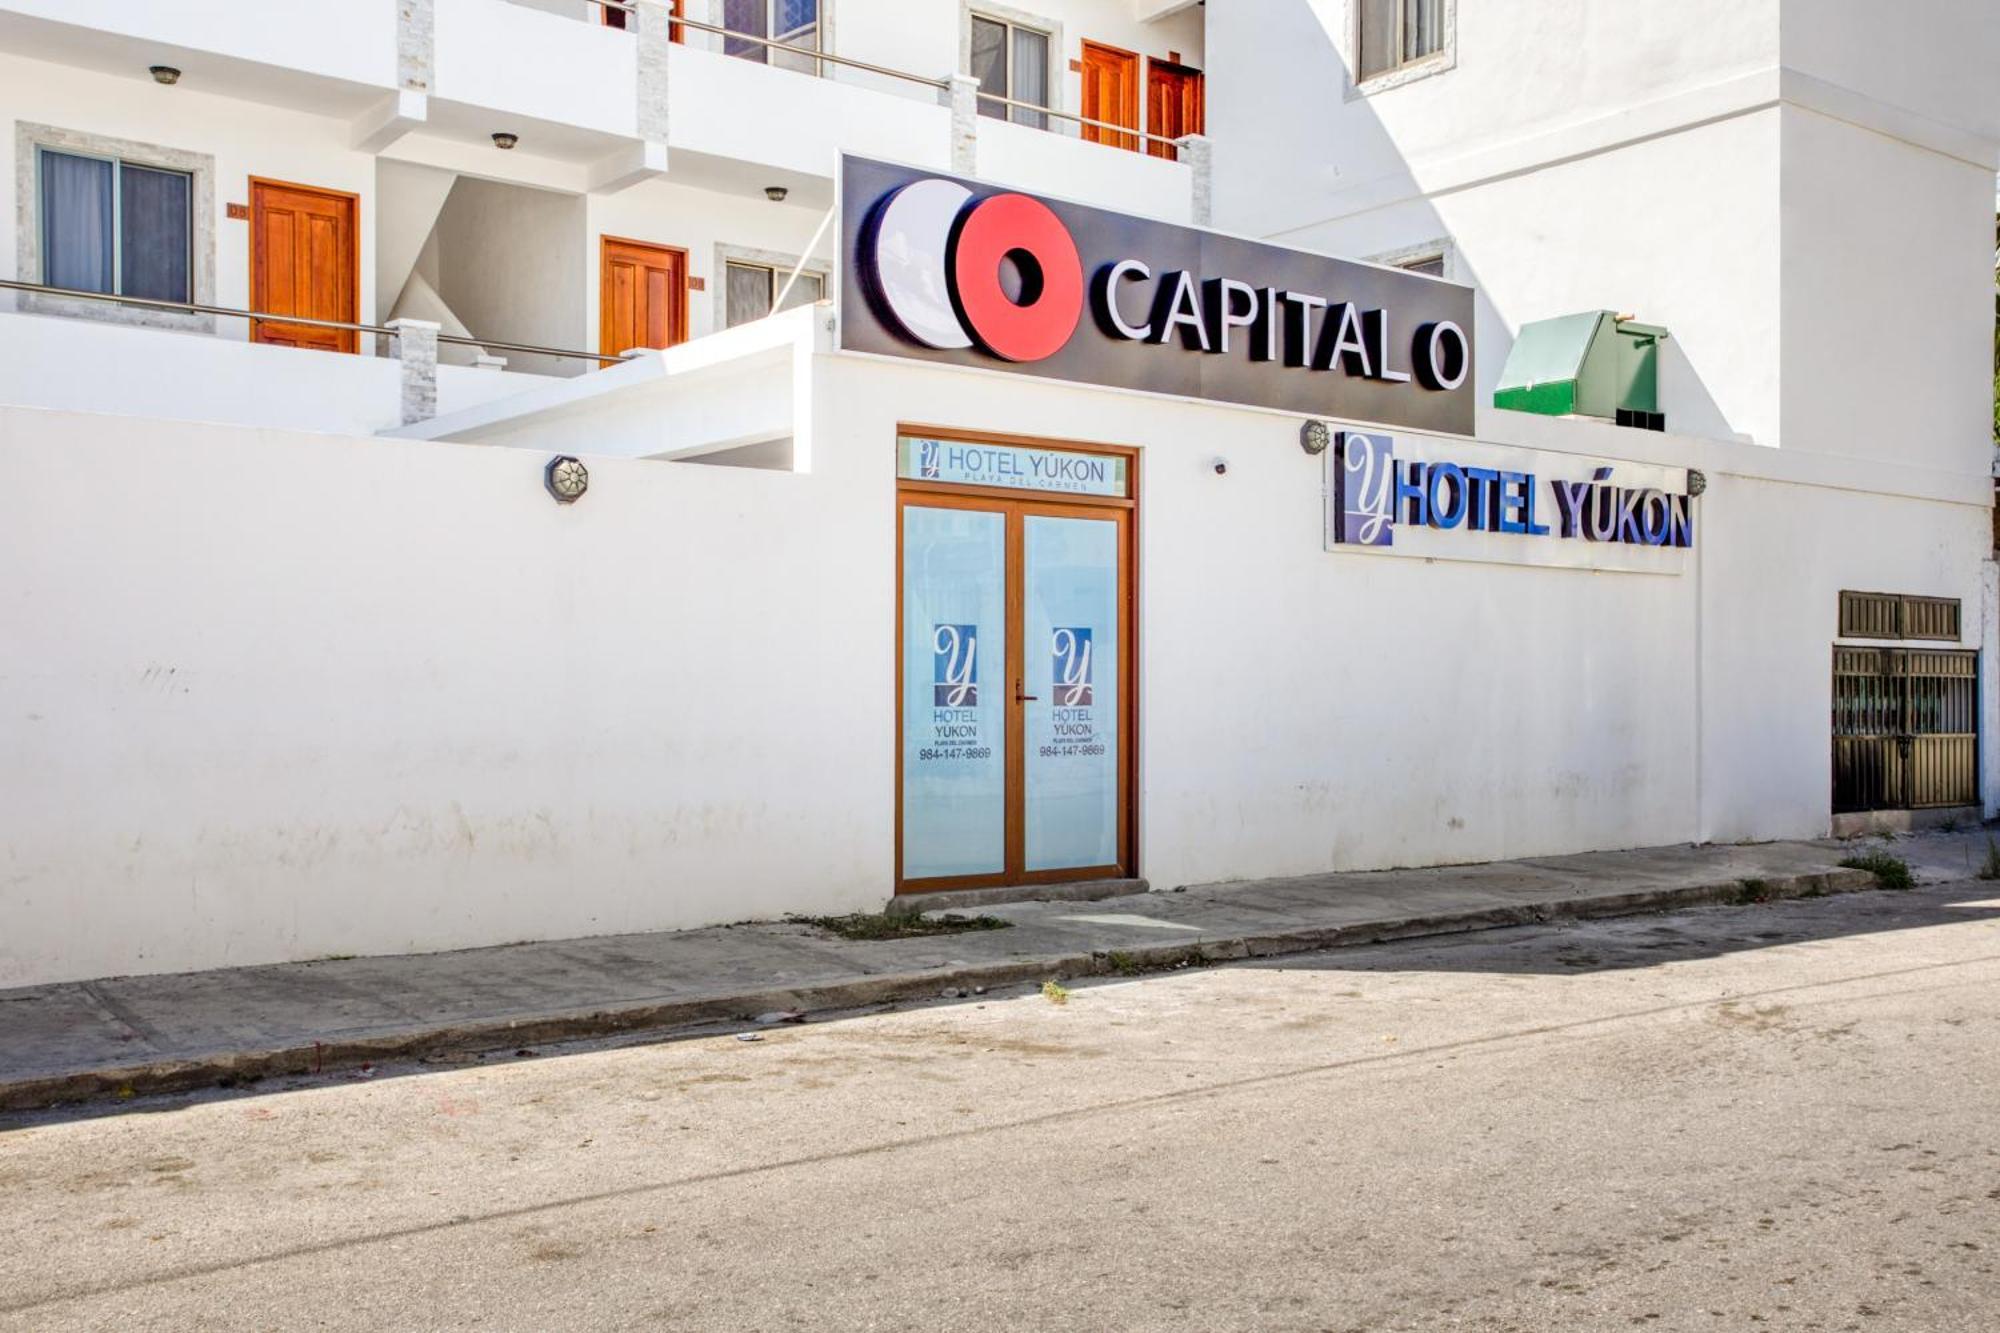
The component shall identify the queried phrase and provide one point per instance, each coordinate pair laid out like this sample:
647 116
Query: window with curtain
749 289
793 23
1394 33
115 227
1010 61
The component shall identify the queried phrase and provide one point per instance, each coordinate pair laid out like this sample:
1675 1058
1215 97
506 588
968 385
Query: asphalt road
1776 1117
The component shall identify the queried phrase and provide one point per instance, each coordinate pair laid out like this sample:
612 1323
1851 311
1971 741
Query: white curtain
76 222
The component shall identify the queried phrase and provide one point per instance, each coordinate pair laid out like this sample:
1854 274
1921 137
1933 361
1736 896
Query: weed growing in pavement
1949 824
1755 891
1890 872
882 926
1055 992
1991 868
1124 964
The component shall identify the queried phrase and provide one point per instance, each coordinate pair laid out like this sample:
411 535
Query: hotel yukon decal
943 269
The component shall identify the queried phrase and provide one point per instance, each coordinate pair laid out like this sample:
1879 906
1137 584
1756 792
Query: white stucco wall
271 695
268 695
245 141
77 365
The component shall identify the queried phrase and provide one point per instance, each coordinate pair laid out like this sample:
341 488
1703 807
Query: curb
230 1068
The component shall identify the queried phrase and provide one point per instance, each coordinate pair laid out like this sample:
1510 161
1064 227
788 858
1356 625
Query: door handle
1021 698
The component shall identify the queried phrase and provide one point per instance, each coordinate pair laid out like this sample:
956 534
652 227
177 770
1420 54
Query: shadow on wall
1356 194
483 259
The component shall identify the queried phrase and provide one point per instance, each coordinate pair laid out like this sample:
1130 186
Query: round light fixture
1697 481
776 193
505 139
566 477
166 74
1315 436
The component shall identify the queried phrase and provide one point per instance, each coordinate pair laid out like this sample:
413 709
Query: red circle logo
941 268
1014 228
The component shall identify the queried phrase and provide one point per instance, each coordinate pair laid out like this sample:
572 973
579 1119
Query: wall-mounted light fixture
567 478
776 193
505 139
1315 436
166 74
1697 481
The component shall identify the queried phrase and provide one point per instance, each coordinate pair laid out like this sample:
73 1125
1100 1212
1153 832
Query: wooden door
1173 105
304 261
641 296
1110 93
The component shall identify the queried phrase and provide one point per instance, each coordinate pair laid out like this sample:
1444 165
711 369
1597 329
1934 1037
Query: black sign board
945 269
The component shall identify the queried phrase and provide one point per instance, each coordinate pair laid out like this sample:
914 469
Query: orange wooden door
1110 93
304 261
641 296
1173 105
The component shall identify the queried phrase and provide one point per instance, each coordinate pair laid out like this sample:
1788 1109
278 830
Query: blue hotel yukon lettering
1374 492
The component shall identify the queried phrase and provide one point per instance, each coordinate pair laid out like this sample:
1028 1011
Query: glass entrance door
1014 691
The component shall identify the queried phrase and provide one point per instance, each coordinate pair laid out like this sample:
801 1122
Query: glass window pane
1421 28
989 62
793 17
1031 75
805 289
153 227
76 222
1378 37
1070 577
796 24
748 292
954 692
1431 264
749 16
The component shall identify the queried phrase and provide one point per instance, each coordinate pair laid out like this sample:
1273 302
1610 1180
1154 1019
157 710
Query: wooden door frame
350 339
604 243
1157 147
1134 96
1015 506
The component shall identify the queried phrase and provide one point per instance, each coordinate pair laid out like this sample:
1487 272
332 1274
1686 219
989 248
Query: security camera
1221 466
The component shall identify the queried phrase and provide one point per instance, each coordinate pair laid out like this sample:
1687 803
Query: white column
1196 150
655 44
417 349
962 95
416 45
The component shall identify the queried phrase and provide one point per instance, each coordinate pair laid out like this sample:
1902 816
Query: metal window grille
1905 728
1887 615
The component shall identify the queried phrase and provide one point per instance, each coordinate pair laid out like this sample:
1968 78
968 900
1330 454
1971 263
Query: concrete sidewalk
129 1035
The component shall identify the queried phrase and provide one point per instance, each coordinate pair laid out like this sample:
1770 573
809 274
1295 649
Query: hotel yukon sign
955 271
1423 497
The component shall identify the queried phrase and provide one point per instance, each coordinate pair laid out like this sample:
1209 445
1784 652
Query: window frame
1013 114
118 165
776 263
29 141
1043 26
1441 249
1404 72
762 53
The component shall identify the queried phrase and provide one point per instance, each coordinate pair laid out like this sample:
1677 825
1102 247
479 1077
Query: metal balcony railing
266 317
1137 137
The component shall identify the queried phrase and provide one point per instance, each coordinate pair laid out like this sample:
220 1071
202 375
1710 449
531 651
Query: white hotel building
980 563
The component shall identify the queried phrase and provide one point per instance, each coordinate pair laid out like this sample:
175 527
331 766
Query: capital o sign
939 265
943 269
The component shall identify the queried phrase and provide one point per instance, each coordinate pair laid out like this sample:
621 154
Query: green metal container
1591 364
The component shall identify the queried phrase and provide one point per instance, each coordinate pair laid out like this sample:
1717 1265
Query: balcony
598 108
